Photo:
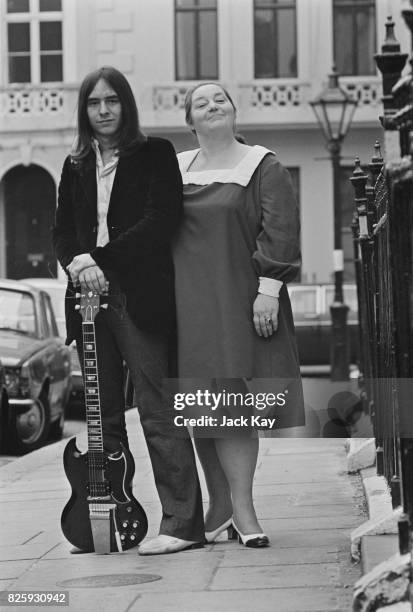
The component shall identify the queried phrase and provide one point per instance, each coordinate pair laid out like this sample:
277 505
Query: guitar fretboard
92 399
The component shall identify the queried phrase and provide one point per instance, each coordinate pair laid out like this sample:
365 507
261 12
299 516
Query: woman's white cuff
269 286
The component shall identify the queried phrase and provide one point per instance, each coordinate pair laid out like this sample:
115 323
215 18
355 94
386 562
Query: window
19 52
275 39
196 40
355 36
49 315
18 6
303 300
17 312
34 41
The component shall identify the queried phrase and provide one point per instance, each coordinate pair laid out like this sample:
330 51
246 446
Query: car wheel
32 427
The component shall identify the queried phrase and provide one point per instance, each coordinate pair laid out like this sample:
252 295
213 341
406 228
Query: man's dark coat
144 211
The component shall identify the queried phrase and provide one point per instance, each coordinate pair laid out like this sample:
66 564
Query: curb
382 517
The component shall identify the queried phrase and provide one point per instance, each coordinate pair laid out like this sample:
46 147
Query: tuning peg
77 307
78 296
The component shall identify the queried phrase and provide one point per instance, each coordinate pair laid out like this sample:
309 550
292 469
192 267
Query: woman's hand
265 315
79 263
94 279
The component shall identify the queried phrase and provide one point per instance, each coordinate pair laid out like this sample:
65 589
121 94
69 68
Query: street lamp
334 110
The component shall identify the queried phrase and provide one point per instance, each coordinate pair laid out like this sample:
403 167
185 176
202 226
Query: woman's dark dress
238 225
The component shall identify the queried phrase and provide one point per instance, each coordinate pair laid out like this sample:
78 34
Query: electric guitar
102 514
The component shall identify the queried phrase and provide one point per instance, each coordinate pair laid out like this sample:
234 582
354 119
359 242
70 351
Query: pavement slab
282 506
11 570
281 556
276 524
306 502
31 550
267 600
277 576
327 491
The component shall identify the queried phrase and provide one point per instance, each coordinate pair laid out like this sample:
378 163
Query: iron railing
383 248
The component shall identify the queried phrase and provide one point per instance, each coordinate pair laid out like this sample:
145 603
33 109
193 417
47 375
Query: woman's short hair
130 133
188 100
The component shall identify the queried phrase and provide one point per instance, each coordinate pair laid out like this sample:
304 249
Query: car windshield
17 312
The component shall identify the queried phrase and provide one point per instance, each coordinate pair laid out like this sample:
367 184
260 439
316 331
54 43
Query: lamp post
334 110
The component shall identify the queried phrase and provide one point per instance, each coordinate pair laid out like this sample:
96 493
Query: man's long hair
130 133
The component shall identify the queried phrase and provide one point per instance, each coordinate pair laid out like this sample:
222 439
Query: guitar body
118 473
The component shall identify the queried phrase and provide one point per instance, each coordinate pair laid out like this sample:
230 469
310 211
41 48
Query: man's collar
96 148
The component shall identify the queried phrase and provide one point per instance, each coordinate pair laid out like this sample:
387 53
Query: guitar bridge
100 517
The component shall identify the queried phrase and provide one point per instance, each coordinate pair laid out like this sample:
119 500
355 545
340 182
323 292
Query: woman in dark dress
236 248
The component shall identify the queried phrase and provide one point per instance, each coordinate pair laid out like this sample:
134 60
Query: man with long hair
119 204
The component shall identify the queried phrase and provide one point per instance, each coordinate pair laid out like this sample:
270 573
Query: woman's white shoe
252 540
211 536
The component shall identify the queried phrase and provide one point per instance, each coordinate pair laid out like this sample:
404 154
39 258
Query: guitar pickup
98 500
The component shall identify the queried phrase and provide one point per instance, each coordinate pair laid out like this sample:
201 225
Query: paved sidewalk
305 501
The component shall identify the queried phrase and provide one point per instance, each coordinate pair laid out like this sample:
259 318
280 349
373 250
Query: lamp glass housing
334 109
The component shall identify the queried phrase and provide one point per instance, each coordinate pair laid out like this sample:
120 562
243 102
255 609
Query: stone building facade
273 56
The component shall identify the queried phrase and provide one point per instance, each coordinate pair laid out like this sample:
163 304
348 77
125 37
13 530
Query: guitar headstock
89 304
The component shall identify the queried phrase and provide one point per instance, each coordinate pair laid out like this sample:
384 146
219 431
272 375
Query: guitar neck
93 412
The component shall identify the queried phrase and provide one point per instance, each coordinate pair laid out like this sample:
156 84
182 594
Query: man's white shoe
164 544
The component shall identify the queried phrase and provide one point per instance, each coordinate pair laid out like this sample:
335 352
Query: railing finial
391 44
377 157
357 168
376 164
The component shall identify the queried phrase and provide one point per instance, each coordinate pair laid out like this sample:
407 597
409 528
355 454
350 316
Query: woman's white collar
240 175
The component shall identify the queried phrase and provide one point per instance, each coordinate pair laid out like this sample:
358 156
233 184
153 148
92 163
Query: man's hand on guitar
93 279
78 264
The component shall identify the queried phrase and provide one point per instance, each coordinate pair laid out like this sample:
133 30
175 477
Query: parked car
57 289
311 310
36 366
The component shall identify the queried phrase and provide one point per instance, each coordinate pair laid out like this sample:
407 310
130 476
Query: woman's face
211 110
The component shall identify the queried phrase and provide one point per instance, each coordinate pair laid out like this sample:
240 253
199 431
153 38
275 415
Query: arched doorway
30 204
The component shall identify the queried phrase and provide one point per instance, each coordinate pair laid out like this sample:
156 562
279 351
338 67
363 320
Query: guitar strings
89 337
95 456
87 369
